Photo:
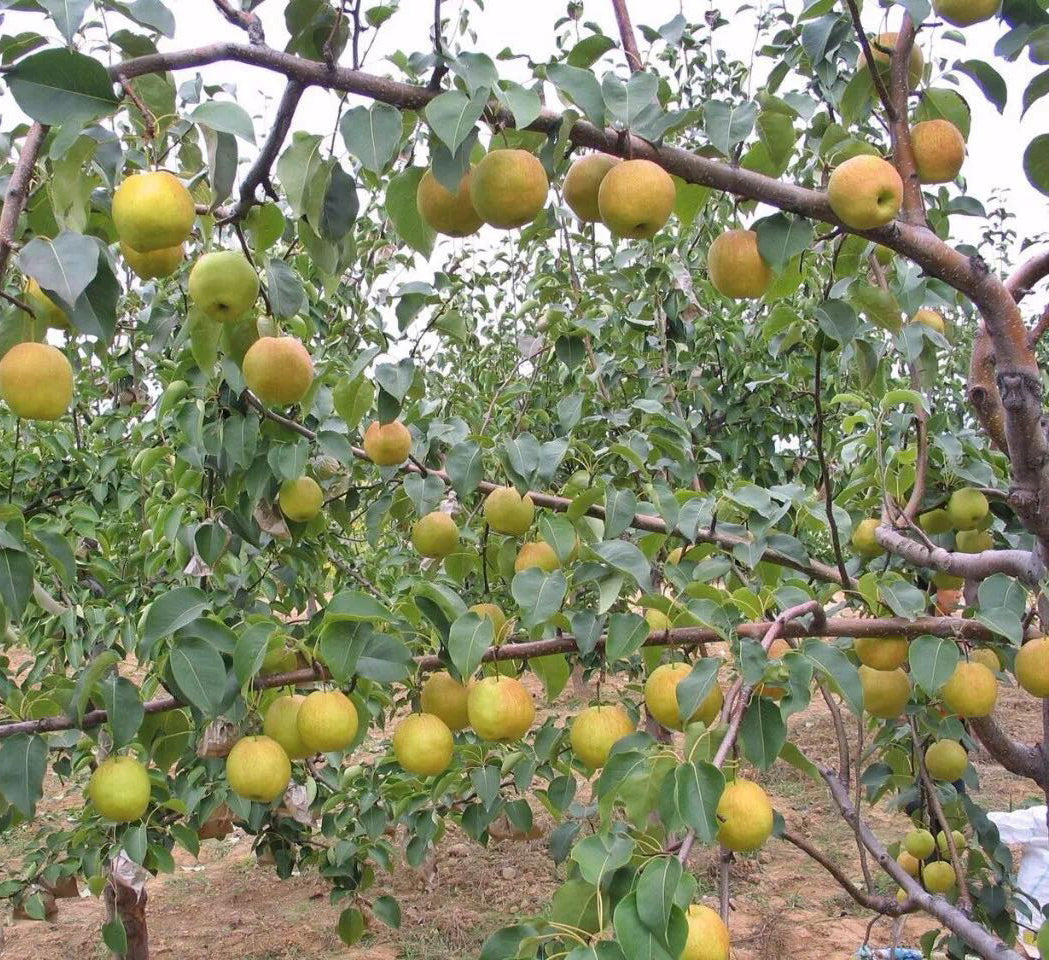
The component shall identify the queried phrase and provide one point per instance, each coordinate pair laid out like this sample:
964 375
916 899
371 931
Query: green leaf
727 124
902 597
589 50
67 15
225 116
372 134
470 636
620 507
987 79
627 633
799 761
477 70
351 926
635 939
63 266
23 763
695 688
388 910
465 467
200 674
932 661
553 670
626 558
297 171
452 115
762 732
523 103
62 87
16 581
340 646
171 611
599 856
404 212
250 650
381 657
341 204
832 663
782 237
151 14
698 787
940 104
353 398
579 87
287 296
124 711
354 605
222 163
538 594
92 672
1036 163
114 936
1000 590
656 890
879 307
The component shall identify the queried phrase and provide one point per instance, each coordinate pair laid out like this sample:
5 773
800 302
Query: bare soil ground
226 906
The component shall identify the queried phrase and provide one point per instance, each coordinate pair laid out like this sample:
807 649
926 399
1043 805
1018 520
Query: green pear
223 284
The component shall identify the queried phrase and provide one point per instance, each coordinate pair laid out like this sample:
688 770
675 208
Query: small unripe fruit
939 150
911 866
583 182
966 508
882 653
507 512
636 199
500 708
708 937
881 49
661 697
863 540
736 267
935 521
536 554
153 211
932 320
919 844
452 214
1032 667
278 370
973 541
885 692
281 725
938 877
445 697
508 188
865 192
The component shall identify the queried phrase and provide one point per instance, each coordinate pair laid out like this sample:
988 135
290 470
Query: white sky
995 146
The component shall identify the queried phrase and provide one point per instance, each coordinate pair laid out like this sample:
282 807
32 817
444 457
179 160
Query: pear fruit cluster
153 214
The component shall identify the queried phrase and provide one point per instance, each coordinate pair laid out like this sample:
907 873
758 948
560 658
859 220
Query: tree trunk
128 901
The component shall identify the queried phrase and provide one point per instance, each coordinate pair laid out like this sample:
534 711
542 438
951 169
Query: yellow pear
507 512
971 691
939 150
911 865
661 697
44 308
327 721
708 937
301 499
258 769
452 214
119 789
919 844
493 612
500 708
1032 667
583 182
941 842
278 370
445 697
973 541
536 554
36 381
881 48
596 730
865 192
935 521
938 876
636 199
278 659
422 744
964 13
945 581
987 657
508 188
882 653
946 760
656 619
736 267
863 539
155 263
281 724
435 535
966 508
885 692
387 444
223 284
745 816
675 556
153 211
931 319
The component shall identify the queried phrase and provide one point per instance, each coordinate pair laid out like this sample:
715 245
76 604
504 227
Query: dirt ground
225 906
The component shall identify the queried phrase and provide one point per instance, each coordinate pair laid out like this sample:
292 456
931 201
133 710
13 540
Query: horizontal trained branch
1025 565
684 637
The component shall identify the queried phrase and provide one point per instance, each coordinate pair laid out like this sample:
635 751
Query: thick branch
1023 564
1022 759
984 397
626 34
1024 277
899 128
18 190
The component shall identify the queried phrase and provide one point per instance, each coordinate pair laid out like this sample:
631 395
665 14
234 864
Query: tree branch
18 190
626 34
1022 759
899 128
868 55
1020 282
982 390
1023 564
825 478
246 21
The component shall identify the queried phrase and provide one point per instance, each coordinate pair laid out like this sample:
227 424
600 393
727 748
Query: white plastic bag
1027 828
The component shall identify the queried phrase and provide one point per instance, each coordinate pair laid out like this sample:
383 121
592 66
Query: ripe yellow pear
939 150
911 865
938 877
493 612
422 744
435 535
964 13
583 182
508 188
935 521
445 697
675 556
941 842
36 381
301 499
945 581
327 721
119 789
971 691
155 263
973 541
223 284
946 760
882 653
865 192
281 724
636 199
863 539
536 554
708 937
656 620
278 370
387 444
745 816
452 214
661 697
1032 667
885 692
507 512
596 730
919 844
881 48
966 508
153 211
44 308
931 319
500 708
279 658
778 649
736 267
258 769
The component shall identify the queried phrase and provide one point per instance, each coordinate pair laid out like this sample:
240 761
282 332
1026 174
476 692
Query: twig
246 21
148 120
251 259
21 304
1038 330
18 191
440 68
861 849
825 479
872 66
626 34
921 470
